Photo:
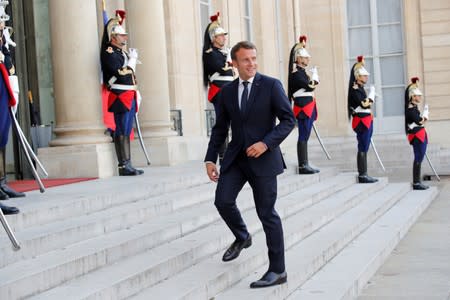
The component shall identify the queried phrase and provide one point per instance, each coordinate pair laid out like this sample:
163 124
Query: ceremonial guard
217 65
359 108
301 88
118 68
415 130
7 102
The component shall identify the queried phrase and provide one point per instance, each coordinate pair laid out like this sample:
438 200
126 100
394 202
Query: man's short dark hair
238 46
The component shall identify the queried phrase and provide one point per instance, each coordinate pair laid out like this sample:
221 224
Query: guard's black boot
4 188
302 156
417 184
118 144
361 160
125 166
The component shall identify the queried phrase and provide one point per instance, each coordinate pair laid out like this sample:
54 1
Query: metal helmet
300 48
358 68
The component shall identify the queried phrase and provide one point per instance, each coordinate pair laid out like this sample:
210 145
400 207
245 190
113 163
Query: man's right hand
212 172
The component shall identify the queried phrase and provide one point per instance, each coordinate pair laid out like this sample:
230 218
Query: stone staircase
159 236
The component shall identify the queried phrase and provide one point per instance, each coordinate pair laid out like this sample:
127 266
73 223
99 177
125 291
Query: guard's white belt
413 125
218 77
359 109
112 80
302 93
124 87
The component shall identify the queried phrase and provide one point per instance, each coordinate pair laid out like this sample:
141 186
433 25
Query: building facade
399 38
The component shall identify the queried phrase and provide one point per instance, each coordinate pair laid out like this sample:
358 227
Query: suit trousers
264 194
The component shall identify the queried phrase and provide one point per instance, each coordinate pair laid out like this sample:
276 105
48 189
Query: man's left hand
256 150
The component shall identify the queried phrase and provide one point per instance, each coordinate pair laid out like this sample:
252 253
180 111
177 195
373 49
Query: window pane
388 11
390 39
204 14
358 12
247 8
393 101
368 64
392 72
360 40
248 30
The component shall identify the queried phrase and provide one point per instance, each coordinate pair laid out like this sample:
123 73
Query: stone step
132 274
305 258
68 201
209 277
346 274
41 239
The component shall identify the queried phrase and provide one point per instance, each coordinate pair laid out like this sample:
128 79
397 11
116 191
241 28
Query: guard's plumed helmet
114 25
358 68
413 88
300 48
214 29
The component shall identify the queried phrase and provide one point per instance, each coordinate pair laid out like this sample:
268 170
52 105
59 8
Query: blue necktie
244 97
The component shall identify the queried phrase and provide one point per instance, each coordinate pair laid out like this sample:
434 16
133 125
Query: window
205 13
248 19
375 31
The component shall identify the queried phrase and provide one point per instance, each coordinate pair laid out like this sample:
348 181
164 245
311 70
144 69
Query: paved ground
419 267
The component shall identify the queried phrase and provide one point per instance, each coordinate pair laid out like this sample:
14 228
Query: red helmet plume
215 17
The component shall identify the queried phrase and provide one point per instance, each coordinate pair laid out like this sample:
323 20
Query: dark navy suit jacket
266 103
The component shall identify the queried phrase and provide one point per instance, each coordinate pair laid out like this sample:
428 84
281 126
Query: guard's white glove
371 95
315 74
229 60
132 58
14 83
8 39
426 112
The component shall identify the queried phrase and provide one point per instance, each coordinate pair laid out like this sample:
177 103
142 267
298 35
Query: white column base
91 160
169 151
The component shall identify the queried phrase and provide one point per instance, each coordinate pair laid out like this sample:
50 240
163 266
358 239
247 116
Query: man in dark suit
251 104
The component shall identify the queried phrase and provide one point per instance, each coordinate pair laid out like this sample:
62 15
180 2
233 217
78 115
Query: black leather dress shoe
270 279
235 249
10 192
9 210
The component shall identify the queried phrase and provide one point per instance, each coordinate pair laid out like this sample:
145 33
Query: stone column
76 76
146 27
